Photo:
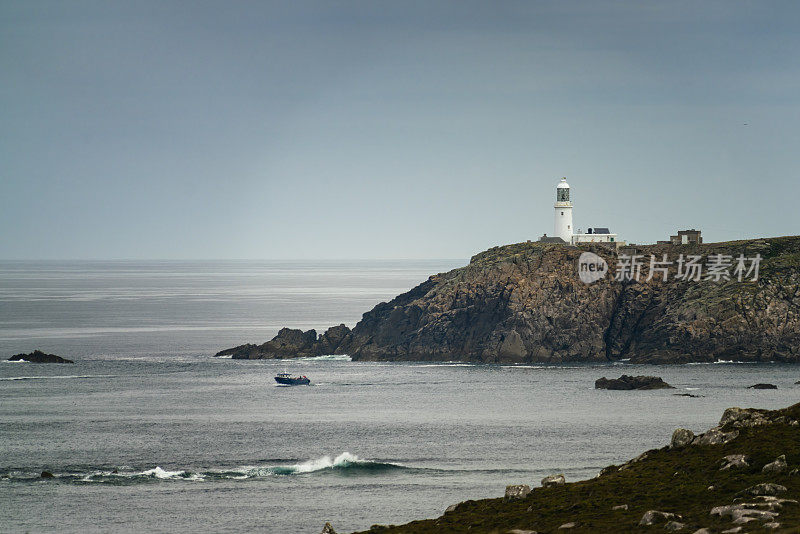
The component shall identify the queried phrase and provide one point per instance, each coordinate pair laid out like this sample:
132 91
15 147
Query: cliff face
526 303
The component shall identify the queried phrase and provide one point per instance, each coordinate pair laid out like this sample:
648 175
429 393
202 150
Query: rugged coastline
525 303
740 476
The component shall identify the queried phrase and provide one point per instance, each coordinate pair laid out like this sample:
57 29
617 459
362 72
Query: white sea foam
326 358
543 366
724 362
161 473
446 364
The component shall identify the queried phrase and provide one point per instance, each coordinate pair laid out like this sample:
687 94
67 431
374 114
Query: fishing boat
289 380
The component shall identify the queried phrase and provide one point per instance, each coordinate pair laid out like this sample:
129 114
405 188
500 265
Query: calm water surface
147 431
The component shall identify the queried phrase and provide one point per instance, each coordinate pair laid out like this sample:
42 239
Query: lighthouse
563 207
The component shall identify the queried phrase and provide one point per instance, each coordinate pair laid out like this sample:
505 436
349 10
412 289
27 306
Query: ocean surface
147 431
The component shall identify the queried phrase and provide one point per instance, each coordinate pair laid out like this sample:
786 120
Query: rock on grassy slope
742 473
525 303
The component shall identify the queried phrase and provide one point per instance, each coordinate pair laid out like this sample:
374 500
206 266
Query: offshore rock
293 343
762 386
525 303
38 356
328 529
626 382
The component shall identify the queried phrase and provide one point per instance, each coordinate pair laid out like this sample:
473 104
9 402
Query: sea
149 432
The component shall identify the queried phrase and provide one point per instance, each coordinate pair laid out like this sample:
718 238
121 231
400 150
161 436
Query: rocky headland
525 303
38 356
740 476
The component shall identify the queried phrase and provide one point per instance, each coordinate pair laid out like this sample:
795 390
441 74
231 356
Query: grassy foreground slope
685 480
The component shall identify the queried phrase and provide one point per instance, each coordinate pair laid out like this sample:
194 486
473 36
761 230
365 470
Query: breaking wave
345 464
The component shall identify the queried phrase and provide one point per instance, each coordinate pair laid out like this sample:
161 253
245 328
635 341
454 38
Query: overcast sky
386 129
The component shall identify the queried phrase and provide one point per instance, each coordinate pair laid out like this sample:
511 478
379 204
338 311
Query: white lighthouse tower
563 207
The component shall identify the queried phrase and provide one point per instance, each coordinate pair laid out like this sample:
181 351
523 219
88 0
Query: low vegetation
682 479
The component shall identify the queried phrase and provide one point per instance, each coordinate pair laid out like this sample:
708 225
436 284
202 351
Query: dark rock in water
38 356
626 382
762 386
688 395
47 474
293 343
328 529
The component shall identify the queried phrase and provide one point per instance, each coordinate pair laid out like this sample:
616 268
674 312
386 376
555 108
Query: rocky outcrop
715 436
294 343
681 438
38 356
519 491
765 489
553 480
734 461
526 303
655 517
626 382
778 466
762 386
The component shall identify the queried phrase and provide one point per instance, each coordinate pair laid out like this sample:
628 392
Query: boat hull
292 381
